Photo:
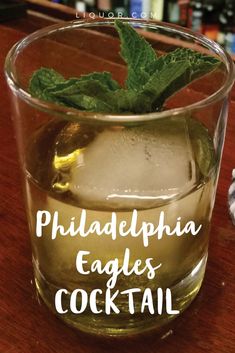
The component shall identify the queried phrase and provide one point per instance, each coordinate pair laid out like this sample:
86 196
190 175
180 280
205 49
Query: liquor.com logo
110 14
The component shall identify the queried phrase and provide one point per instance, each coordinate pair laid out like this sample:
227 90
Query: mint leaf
162 83
125 100
199 62
42 79
155 79
137 53
195 65
103 77
171 76
89 92
85 94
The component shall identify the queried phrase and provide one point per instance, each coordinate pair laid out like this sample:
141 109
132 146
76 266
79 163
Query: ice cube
135 166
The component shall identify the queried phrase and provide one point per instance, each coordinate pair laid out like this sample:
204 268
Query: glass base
123 324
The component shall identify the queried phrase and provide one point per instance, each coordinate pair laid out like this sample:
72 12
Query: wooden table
26 325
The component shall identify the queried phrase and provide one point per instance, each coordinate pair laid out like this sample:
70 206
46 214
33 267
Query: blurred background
213 18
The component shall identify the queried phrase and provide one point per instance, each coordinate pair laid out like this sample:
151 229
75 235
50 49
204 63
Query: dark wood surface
26 325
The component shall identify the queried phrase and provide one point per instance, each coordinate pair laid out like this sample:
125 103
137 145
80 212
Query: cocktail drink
118 201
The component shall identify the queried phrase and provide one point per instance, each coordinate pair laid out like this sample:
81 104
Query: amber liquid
168 166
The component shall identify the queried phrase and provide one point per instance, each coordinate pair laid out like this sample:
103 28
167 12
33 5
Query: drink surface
166 166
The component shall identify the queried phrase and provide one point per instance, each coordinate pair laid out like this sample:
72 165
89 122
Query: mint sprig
150 79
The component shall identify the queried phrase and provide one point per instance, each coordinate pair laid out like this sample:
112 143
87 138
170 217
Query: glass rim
71 113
